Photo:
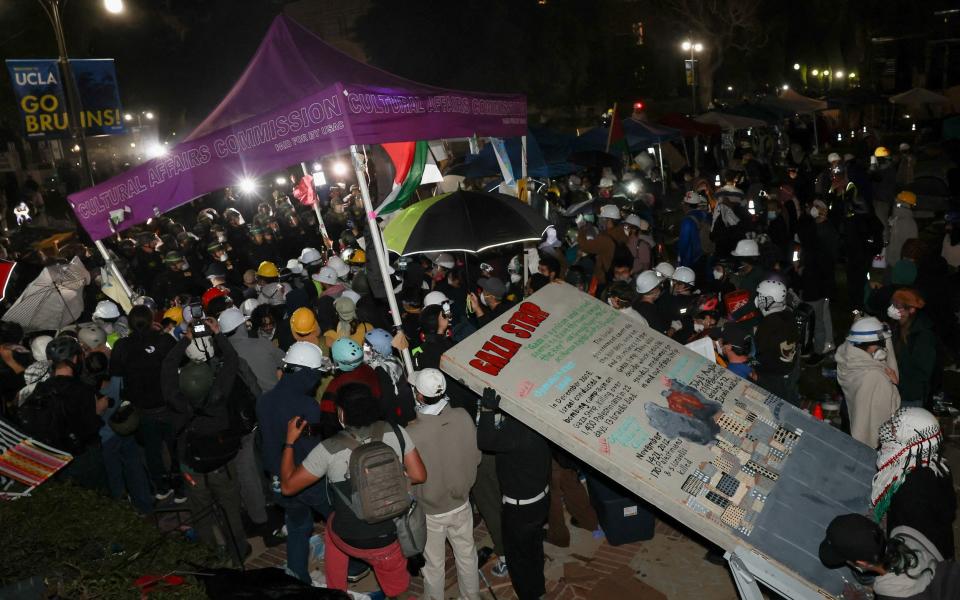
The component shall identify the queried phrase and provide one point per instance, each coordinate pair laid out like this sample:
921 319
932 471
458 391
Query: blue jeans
123 460
299 520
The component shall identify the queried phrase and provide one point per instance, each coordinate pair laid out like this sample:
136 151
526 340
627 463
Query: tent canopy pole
316 209
114 269
359 167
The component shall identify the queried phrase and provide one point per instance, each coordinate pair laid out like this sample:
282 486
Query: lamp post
54 9
692 48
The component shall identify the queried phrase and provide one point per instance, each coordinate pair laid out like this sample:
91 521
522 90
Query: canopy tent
919 97
793 102
728 121
767 114
638 134
299 98
542 161
688 127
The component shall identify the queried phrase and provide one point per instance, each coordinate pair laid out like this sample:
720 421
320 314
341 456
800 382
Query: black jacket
523 455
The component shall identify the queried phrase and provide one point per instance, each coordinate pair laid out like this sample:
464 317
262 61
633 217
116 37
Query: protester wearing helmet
640 243
178 278
602 246
694 231
650 288
734 348
679 305
621 295
348 325
270 290
750 272
901 224
396 401
915 345
777 338
347 356
868 375
108 317
199 394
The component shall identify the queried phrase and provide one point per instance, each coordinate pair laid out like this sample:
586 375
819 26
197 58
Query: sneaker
356 571
179 497
161 496
500 568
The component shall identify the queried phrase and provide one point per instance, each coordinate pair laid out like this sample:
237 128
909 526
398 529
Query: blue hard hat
346 354
381 341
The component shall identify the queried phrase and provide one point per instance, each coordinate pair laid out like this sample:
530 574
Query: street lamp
692 47
114 7
815 72
785 87
838 74
148 115
796 66
127 117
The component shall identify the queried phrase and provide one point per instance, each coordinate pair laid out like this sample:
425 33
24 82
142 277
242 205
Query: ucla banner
41 97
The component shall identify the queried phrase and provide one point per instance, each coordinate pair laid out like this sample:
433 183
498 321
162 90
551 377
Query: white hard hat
339 267
635 221
91 335
746 249
352 295
574 180
295 266
326 275
445 260
429 382
610 211
771 295
248 306
304 354
694 198
664 269
867 329
106 310
647 280
684 275
38 347
833 157
310 255
879 262
230 319
434 297
605 182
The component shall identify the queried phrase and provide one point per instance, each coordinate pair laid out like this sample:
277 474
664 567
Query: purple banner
322 123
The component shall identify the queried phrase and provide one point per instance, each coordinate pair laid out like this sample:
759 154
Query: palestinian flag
616 139
409 161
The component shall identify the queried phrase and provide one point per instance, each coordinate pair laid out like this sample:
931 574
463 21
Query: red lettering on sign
486 367
496 353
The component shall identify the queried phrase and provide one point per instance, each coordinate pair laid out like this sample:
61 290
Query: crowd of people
259 365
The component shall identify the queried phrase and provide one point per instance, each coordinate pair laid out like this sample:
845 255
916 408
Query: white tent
728 121
795 102
919 97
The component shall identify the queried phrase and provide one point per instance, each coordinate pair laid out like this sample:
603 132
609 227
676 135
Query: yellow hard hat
907 198
881 152
174 314
267 269
303 321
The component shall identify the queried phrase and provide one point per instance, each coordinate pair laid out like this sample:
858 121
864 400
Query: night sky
179 57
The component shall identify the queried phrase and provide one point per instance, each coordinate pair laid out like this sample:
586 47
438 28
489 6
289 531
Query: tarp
639 134
728 121
794 102
687 126
918 97
543 160
297 99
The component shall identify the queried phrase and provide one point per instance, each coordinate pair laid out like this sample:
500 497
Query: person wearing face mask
819 252
718 281
217 276
694 231
868 375
650 287
491 302
915 345
778 231
396 401
750 273
621 295
777 338
640 244
734 347
447 440
263 324
175 280
603 246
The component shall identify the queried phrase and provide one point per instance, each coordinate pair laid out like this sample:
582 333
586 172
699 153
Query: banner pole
316 209
379 247
76 127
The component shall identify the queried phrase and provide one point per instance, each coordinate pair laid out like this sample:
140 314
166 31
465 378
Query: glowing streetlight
247 185
815 72
127 117
133 145
852 75
686 45
729 88
148 115
698 47
785 87
826 72
113 6
796 66
156 151
280 180
838 74
340 168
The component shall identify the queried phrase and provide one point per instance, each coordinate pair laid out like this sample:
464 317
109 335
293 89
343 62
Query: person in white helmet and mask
650 287
778 342
868 375
603 247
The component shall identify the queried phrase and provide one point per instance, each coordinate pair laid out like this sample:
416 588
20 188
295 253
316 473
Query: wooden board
714 451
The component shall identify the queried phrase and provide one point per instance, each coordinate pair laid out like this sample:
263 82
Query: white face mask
221 237
431 409
483 299
718 348
880 354
697 327
814 212
718 274
514 278
894 313
223 258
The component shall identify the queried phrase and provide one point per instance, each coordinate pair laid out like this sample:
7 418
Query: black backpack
204 451
44 417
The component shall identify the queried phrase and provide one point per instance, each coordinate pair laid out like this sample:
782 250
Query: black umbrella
463 221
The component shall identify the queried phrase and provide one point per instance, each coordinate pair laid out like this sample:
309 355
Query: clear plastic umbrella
53 300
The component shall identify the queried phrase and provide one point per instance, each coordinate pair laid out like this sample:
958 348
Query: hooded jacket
291 397
902 228
917 358
930 567
871 397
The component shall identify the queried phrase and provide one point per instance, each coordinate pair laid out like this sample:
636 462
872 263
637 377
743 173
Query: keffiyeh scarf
909 440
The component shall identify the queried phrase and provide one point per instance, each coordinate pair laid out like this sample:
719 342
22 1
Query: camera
402 263
197 324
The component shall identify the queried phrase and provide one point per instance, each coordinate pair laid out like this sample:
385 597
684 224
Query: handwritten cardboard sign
714 451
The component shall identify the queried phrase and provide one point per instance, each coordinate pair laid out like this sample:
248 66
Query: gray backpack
379 489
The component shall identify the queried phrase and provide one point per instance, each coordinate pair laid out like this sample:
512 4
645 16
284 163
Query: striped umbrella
463 221
53 300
